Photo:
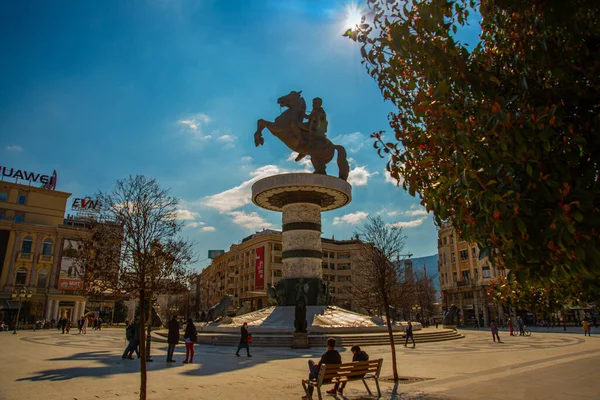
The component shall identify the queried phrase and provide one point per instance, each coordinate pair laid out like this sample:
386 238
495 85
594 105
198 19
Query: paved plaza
48 365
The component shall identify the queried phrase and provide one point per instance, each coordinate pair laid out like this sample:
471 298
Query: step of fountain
317 340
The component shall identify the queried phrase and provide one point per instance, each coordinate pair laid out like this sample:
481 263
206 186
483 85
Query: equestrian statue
305 138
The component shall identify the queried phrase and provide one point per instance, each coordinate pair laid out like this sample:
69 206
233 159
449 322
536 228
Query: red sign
70 284
259 273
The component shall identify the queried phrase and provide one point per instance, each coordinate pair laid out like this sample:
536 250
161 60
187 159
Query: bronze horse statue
288 128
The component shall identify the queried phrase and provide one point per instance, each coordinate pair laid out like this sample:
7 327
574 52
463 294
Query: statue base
450 326
314 291
300 340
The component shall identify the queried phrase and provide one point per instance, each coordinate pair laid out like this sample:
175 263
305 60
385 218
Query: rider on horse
315 128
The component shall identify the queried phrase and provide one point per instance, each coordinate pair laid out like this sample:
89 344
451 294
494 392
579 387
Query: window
47 247
474 251
3 196
277 273
22 199
26 245
466 276
21 277
485 272
467 295
18 218
343 279
445 241
343 267
343 255
454 276
476 273
2 214
277 247
42 279
453 256
451 239
464 255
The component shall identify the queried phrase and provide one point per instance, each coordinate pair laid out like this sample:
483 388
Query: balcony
464 283
45 259
25 257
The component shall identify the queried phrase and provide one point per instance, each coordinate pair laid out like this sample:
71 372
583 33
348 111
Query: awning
9 305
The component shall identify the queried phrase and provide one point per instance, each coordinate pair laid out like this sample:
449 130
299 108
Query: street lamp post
20 294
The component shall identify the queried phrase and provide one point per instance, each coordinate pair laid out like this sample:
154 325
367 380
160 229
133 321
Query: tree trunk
386 305
143 375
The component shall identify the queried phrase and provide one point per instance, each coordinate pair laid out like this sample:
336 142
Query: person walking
494 329
409 335
587 331
132 335
357 356
80 325
331 356
244 341
173 338
84 325
99 324
190 337
510 327
521 325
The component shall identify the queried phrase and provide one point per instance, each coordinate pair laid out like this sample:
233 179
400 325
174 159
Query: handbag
249 339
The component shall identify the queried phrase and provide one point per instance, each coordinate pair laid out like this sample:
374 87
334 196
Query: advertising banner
215 253
71 277
259 273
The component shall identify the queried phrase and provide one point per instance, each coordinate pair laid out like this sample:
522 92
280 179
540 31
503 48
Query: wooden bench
348 372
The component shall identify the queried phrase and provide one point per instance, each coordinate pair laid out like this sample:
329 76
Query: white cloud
194 126
247 159
393 213
416 211
305 162
227 138
408 224
251 221
359 176
240 195
15 148
390 179
195 224
208 229
352 219
187 215
352 142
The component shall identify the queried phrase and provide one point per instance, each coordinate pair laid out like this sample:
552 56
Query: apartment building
245 271
464 278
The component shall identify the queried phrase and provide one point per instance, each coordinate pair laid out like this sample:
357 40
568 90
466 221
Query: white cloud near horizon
251 221
240 195
352 218
359 176
15 148
195 224
194 126
390 179
408 224
227 138
208 229
352 142
187 215
416 211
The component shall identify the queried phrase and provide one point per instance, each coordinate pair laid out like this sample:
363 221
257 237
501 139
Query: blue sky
173 88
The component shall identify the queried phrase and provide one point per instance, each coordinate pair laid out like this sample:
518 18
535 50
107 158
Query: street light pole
21 294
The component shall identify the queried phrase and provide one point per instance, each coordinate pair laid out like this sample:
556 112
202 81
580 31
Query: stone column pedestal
300 340
301 198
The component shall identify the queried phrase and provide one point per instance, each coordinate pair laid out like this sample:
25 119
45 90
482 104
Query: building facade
35 244
464 278
247 269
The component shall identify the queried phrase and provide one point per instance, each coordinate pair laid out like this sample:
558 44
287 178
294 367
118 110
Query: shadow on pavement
214 361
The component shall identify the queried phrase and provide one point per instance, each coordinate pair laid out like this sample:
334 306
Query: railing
25 257
44 258
464 283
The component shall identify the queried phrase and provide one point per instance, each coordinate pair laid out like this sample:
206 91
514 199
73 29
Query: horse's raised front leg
258 137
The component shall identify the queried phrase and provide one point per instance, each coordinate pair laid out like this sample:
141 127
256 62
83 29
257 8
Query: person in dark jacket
244 341
357 355
132 334
409 334
331 356
173 337
190 337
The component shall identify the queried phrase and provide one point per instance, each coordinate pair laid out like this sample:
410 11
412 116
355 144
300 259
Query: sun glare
353 16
